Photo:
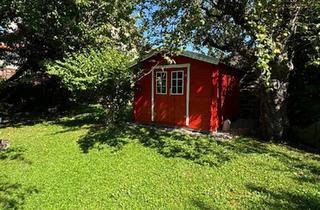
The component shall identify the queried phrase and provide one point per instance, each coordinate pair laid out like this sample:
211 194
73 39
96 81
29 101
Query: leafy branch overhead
255 30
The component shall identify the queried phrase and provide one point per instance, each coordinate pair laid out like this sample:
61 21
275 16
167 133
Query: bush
102 74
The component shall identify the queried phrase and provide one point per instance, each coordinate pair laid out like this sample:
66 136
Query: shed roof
189 54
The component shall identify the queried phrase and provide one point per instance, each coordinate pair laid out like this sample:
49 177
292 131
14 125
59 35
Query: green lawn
72 164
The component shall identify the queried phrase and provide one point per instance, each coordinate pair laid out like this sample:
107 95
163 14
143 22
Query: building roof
189 54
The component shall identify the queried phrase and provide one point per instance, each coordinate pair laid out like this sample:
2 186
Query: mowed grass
75 163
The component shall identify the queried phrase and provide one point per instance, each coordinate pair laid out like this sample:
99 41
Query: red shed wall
142 100
209 102
228 94
203 112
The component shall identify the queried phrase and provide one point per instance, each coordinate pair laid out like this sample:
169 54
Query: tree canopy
49 29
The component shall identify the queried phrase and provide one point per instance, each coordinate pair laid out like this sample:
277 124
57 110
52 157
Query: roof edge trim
189 54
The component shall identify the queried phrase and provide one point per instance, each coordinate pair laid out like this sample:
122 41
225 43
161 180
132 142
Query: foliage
304 88
205 24
307 40
101 73
260 31
38 30
153 169
277 35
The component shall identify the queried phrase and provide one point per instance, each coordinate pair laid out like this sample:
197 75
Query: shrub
101 74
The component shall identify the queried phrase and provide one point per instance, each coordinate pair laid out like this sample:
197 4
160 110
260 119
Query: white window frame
177 87
166 85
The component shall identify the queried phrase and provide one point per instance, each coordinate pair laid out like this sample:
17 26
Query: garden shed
194 91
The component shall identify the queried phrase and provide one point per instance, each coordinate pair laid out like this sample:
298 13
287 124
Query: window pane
161 84
174 75
177 82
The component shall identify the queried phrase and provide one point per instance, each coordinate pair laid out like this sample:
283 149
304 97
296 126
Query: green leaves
102 74
90 68
256 30
50 29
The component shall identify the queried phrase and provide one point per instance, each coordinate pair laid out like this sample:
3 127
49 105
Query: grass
75 163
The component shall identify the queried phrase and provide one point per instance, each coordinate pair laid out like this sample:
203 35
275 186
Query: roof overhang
188 54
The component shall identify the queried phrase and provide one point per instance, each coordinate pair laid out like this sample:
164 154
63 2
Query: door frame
173 66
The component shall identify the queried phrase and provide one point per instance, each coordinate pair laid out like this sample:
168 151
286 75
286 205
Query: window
161 79
177 83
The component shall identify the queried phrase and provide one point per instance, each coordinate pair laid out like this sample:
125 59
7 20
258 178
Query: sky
148 36
2 29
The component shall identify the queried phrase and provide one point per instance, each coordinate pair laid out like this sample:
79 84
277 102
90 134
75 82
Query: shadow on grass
206 151
308 172
199 149
91 116
112 136
169 144
14 153
271 199
23 119
280 199
13 195
201 205
82 114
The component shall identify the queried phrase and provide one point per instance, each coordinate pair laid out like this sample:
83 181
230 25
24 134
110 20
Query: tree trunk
273 111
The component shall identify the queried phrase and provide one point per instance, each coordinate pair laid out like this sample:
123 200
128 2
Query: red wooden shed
196 92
